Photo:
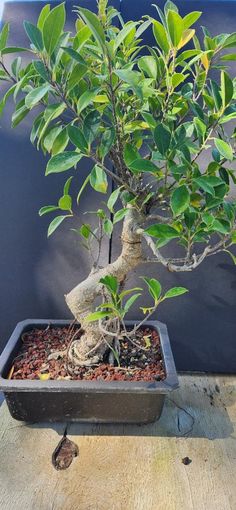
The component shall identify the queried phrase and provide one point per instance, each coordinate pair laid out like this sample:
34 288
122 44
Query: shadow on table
199 412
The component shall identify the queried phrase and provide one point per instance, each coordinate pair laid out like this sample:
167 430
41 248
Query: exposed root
57 355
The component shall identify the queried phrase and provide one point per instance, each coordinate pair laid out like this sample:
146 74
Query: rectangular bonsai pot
84 401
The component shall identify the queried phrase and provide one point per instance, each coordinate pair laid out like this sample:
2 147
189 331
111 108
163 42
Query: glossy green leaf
154 287
227 89
112 199
35 95
98 179
130 154
110 283
43 15
53 27
224 149
159 33
55 224
4 36
143 165
34 35
107 140
131 301
77 138
191 18
161 230
119 215
47 209
175 27
175 291
162 137
65 203
124 32
96 316
92 21
148 65
62 162
180 199
85 99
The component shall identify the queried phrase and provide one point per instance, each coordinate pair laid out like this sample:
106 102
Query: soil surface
137 363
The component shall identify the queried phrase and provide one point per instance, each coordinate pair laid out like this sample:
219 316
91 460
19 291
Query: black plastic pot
84 401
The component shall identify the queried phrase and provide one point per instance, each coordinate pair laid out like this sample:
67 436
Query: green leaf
96 316
161 230
119 215
34 35
91 126
203 183
227 89
4 36
76 75
110 283
43 15
13 49
83 187
162 137
62 162
229 56
148 65
85 99
143 165
175 27
67 184
98 179
60 142
191 18
108 227
131 301
94 24
36 95
175 291
178 78
154 287
47 209
53 27
112 199
130 154
85 231
41 69
180 199
65 203
159 33
224 149
55 223
75 55
77 138
106 142
124 33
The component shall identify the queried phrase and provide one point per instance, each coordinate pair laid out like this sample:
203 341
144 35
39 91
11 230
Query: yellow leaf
187 35
44 377
205 61
101 99
11 372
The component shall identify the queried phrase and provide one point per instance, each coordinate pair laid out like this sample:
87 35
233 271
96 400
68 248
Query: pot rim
8 385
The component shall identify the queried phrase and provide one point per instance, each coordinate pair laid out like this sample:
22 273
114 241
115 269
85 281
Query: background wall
35 272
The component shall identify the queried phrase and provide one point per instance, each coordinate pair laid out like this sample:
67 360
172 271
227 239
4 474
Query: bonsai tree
143 115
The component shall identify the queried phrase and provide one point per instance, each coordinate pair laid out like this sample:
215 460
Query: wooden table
130 467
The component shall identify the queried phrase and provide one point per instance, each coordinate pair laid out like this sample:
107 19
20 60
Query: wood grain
130 467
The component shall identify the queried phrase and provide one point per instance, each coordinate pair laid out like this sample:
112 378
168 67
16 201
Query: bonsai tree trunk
91 346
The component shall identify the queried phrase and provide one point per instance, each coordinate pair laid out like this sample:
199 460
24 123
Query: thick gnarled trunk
90 348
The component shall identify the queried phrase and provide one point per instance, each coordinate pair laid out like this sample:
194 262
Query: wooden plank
130 467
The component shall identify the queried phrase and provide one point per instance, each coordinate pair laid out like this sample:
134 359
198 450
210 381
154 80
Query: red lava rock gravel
139 364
